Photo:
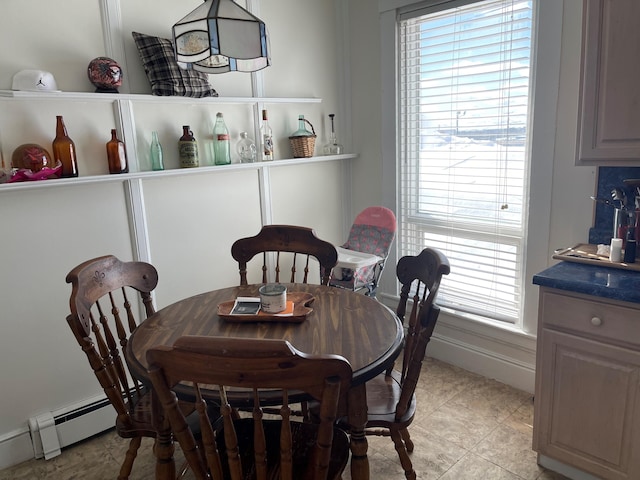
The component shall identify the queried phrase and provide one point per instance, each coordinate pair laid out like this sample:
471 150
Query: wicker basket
302 146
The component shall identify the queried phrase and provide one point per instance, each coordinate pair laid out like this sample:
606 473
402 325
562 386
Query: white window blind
464 113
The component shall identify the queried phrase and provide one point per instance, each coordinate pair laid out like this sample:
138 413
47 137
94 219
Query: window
464 118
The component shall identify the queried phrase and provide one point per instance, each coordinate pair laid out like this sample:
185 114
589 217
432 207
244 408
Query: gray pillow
164 74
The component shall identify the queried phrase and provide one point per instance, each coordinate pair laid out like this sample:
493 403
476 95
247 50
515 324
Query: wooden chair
104 302
253 447
391 399
299 241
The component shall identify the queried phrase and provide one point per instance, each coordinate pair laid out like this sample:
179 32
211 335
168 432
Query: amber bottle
116 154
64 150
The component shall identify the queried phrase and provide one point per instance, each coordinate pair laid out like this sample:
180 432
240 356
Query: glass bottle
188 149
266 138
246 148
332 147
630 247
302 128
116 154
64 150
221 147
155 152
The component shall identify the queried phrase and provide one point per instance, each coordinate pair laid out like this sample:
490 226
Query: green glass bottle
302 128
221 147
155 152
302 140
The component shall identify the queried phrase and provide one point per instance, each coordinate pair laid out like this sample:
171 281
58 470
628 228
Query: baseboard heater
52 431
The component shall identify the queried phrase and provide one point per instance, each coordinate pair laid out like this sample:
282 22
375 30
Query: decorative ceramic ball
32 157
105 74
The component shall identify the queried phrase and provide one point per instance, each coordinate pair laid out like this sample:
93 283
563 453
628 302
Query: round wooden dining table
359 328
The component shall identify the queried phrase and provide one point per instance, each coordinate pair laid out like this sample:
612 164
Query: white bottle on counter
615 252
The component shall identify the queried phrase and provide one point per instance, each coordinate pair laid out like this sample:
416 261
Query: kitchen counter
588 362
605 282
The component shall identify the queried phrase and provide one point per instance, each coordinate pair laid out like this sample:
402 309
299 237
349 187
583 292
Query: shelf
61 182
139 97
124 113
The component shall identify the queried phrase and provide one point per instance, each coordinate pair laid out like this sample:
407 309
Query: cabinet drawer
593 318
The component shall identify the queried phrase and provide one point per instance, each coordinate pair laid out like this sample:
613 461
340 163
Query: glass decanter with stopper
332 147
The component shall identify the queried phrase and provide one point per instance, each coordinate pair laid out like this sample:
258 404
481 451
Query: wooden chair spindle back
420 274
285 239
253 444
101 288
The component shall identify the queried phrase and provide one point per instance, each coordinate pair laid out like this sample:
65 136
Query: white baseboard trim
47 433
15 447
483 362
501 352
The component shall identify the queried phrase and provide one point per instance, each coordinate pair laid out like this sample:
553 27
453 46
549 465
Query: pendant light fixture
220 36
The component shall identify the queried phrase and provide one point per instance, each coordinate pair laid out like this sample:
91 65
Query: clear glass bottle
266 138
116 154
64 150
221 147
188 149
246 148
333 147
155 152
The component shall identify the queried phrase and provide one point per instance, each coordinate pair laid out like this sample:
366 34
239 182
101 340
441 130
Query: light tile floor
468 427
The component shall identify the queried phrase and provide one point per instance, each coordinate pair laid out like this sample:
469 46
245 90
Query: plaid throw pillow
164 74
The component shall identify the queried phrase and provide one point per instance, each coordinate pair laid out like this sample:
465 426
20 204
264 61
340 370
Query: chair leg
407 439
405 461
130 456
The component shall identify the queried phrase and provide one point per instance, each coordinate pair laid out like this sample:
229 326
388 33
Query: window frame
497 235
545 61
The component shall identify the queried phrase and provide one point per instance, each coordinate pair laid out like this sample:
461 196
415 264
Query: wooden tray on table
295 313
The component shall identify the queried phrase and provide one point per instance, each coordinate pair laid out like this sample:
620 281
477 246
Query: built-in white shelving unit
124 116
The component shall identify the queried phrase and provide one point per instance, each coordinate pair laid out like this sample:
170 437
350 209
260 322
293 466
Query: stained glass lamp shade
220 36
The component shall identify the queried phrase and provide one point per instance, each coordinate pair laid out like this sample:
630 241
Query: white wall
192 220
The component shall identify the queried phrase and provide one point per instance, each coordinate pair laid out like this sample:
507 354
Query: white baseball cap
34 81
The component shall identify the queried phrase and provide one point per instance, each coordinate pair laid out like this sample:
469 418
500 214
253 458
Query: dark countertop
606 282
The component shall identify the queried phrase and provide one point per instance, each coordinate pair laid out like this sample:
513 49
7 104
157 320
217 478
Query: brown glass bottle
116 154
64 150
188 149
